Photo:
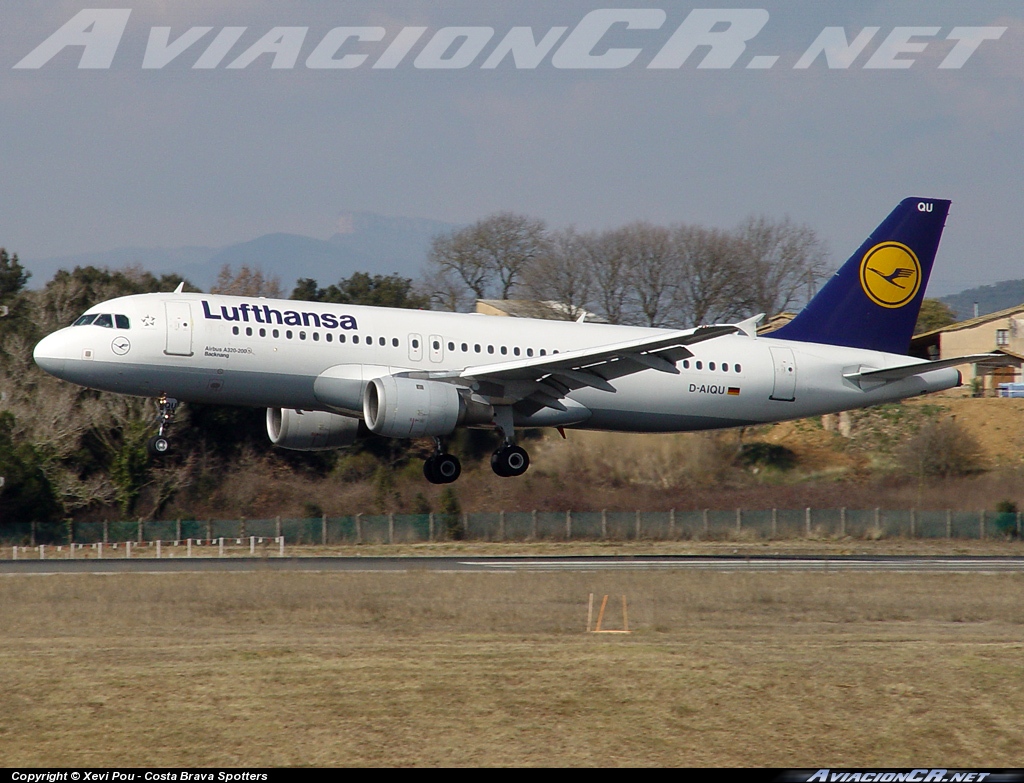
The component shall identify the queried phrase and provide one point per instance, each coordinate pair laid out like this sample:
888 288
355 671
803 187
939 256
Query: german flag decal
734 391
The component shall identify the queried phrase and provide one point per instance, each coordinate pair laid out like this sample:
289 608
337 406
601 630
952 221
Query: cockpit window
122 321
104 319
84 320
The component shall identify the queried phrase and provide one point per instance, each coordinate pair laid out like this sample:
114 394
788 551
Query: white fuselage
270 353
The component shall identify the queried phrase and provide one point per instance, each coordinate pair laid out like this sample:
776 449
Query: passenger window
686 364
104 320
330 337
737 368
355 339
700 366
341 338
263 332
490 349
711 365
288 334
543 352
415 343
122 322
725 367
504 351
316 337
234 330
248 331
382 341
277 333
529 351
302 335
451 346
394 342
477 348
465 347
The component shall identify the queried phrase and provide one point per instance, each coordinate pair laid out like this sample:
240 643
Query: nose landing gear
159 445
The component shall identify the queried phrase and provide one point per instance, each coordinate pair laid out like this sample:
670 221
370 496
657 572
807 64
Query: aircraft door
179 329
785 374
436 348
415 348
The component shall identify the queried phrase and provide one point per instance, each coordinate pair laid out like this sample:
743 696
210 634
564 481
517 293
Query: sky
110 137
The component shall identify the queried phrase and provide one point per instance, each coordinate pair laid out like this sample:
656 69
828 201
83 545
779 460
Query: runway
758 563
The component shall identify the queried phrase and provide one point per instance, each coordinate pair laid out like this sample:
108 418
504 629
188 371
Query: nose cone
50 354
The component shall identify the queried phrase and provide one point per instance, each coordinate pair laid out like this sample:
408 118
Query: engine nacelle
398 407
310 430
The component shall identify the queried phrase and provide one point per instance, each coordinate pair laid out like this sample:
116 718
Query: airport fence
699 525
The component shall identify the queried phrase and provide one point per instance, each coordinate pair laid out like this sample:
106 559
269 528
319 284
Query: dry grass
423 668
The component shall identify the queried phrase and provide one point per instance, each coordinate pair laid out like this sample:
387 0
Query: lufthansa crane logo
890 274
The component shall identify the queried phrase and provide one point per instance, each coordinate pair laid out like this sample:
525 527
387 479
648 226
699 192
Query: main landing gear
440 467
509 460
159 445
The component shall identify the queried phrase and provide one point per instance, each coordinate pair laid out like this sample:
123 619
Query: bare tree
562 274
485 260
781 261
711 277
610 273
649 255
246 282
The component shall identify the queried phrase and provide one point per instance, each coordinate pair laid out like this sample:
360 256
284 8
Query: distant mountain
990 298
365 242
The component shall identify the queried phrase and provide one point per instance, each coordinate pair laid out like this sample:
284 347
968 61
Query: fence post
739 520
604 524
949 523
106 532
128 548
14 552
533 524
158 542
981 522
807 522
430 526
241 527
188 548
638 525
465 523
1018 524
842 522
775 523
177 530
42 551
252 545
672 524
32 533
878 519
209 530
501 525
568 525
99 552
705 515
280 544
220 547
323 530
391 528
141 531
359 528
913 521
277 527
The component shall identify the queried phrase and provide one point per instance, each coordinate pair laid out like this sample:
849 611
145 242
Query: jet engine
310 430
399 407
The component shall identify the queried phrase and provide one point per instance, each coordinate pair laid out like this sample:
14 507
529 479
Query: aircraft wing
545 379
908 370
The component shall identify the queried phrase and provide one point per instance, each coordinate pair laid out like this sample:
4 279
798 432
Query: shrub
942 449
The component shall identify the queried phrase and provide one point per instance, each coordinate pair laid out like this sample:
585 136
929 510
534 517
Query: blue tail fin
873 300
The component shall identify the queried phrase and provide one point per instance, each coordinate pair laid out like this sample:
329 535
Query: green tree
364 289
934 315
13 276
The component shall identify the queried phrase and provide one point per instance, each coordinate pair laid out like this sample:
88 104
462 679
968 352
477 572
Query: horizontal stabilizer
918 368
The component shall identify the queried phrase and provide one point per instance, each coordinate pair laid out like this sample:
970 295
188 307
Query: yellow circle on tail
890 274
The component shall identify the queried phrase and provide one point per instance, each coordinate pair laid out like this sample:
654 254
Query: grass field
424 668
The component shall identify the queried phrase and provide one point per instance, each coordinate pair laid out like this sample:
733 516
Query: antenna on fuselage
180 288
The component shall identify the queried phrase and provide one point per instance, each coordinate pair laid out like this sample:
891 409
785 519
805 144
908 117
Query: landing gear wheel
509 461
442 468
158 445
